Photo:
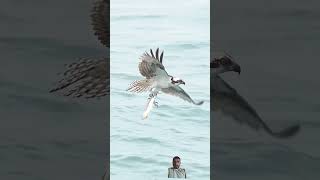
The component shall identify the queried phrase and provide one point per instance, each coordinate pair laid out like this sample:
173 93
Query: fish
150 104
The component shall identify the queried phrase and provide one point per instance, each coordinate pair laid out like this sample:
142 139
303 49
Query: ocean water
143 149
276 44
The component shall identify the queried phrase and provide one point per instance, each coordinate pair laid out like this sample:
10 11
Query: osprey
226 99
157 79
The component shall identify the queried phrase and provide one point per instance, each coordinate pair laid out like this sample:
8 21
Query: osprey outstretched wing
151 65
89 77
179 92
226 99
86 78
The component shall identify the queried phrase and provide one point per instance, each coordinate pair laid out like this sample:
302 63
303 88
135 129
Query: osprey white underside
160 83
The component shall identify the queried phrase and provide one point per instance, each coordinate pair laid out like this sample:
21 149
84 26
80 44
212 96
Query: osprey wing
139 86
151 65
179 92
87 78
100 18
229 102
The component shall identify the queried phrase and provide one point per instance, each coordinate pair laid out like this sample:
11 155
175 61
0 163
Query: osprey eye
226 62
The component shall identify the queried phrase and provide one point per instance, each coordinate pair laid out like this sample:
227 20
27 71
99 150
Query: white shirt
176 173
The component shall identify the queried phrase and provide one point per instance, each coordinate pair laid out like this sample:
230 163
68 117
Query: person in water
175 171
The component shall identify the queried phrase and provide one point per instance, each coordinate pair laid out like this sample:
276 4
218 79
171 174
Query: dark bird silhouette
226 99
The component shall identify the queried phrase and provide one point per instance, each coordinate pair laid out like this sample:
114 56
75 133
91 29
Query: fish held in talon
226 100
157 80
151 102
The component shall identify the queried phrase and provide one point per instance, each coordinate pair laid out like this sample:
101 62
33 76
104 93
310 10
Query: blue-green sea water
143 149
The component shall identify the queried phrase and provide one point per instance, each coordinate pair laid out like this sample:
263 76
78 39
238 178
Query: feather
87 78
157 54
161 56
151 53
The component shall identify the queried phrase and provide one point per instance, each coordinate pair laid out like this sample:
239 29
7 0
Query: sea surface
143 149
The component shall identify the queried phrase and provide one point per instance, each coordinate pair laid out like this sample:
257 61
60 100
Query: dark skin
176 163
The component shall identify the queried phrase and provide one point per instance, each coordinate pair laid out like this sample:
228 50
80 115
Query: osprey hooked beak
180 81
177 81
236 68
224 64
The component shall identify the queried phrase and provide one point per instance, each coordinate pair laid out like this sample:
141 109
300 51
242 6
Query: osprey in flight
157 79
89 77
226 99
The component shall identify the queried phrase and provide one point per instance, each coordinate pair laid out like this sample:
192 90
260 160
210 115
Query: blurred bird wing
100 20
227 100
87 78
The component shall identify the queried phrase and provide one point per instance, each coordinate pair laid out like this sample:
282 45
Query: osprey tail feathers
139 86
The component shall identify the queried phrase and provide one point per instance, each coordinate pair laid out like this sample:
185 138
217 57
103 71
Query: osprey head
224 64
177 81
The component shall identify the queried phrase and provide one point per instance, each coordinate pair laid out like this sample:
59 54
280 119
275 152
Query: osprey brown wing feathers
149 64
89 77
